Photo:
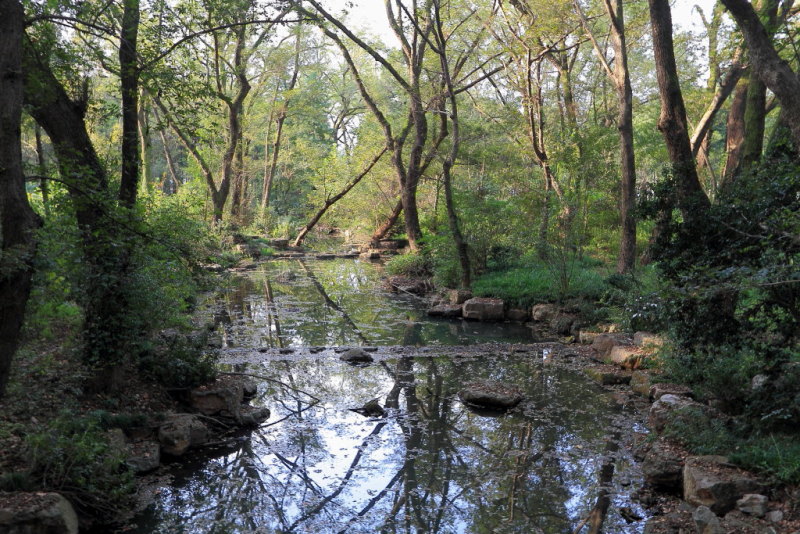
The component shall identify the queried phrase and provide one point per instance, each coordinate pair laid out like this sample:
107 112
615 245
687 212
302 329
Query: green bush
180 361
414 265
72 455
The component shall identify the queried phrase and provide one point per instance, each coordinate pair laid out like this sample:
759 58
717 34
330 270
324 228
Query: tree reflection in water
430 466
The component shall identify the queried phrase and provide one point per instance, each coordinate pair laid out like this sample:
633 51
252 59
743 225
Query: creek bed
430 464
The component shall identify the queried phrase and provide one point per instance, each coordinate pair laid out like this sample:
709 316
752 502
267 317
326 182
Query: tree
18 222
770 68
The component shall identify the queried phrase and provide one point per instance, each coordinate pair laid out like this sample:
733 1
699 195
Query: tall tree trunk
44 184
691 199
18 222
129 83
765 62
734 129
144 141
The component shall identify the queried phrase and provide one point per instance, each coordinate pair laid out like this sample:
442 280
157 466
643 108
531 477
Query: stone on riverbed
356 355
222 397
37 513
483 309
252 416
445 310
180 432
491 394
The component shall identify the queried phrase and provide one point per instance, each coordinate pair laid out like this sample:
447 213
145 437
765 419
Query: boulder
774 516
278 242
458 296
561 324
519 315
181 432
711 481
607 376
662 410
586 338
143 456
253 416
640 383
36 513
483 309
222 397
603 343
249 389
647 339
445 310
753 504
356 355
370 255
664 388
543 312
625 356
404 284
663 468
706 521
491 394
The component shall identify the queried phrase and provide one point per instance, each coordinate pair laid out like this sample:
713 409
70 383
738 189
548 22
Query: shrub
414 265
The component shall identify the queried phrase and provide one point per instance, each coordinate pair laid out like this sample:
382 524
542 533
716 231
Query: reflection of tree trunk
598 514
272 316
330 303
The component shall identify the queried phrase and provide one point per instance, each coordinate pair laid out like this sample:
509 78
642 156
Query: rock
626 356
707 522
181 432
561 324
249 389
606 376
278 242
758 382
253 416
664 409
445 310
775 516
640 383
663 388
543 312
603 343
647 339
483 309
458 296
710 481
662 468
753 504
371 408
36 513
586 338
223 397
404 284
356 355
519 315
491 394
143 456
370 255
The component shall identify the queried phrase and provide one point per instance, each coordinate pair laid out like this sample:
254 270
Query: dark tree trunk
765 62
18 222
691 199
383 230
129 84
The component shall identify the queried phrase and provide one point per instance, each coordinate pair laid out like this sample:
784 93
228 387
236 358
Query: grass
537 282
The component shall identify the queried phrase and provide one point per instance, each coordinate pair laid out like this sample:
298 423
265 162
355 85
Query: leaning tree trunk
734 130
383 230
18 222
691 199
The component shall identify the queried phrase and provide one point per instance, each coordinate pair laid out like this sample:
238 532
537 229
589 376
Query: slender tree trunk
129 82
335 198
144 142
691 199
18 222
173 175
734 130
44 185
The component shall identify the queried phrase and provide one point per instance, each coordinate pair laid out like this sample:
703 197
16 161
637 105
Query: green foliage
413 265
72 455
775 455
731 297
180 361
635 300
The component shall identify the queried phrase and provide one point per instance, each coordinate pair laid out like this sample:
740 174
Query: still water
430 465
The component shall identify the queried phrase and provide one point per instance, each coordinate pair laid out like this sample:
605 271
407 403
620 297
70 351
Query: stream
431 464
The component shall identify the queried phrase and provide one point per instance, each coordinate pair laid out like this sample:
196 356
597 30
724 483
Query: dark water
431 465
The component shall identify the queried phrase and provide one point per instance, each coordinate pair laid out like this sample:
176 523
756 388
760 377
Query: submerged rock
372 408
253 416
356 355
445 310
491 394
36 513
